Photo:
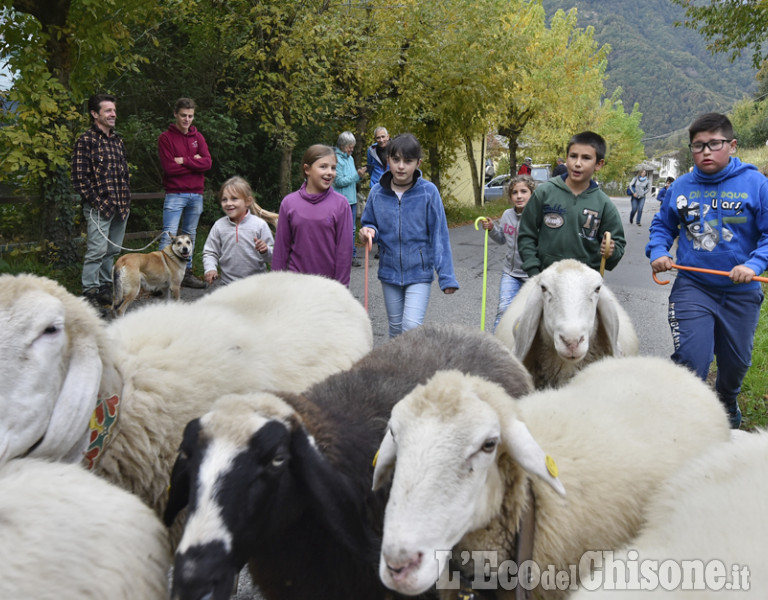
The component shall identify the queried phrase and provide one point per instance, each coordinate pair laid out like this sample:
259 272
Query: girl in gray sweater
504 231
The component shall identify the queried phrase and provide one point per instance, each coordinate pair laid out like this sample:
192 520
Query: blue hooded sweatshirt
731 230
412 233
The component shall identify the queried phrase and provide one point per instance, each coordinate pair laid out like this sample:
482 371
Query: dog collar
103 421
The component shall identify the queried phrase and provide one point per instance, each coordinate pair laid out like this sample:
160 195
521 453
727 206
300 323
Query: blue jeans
637 207
105 238
508 288
406 305
706 323
176 205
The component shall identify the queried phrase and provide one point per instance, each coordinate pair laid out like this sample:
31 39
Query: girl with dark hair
314 228
404 215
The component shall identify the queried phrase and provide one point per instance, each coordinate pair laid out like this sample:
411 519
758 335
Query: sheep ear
179 487
66 436
527 324
529 455
335 500
608 319
384 462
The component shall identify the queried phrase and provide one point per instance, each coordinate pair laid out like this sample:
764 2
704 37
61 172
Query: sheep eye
489 445
544 289
50 330
278 461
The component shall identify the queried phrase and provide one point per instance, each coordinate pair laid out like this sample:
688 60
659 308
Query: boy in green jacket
568 215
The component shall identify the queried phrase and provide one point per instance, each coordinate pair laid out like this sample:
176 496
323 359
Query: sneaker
92 296
735 418
191 281
105 294
639 225
356 262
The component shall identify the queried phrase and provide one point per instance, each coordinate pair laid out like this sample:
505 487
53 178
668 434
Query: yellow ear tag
551 465
375 458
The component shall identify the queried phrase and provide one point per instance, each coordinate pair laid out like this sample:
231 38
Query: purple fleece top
313 233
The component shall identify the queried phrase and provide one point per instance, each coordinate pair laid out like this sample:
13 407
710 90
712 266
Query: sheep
282 481
163 365
710 513
563 319
470 464
69 534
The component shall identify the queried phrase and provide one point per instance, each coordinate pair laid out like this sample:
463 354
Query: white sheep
470 464
708 519
563 319
164 363
69 534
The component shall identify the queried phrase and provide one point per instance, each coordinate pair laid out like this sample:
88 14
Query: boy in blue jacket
719 213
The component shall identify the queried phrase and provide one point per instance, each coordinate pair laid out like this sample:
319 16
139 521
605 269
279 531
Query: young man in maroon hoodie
184 157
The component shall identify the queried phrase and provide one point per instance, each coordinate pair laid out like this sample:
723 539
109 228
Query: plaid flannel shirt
100 172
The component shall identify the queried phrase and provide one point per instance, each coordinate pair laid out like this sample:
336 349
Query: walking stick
700 270
607 253
485 273
365 287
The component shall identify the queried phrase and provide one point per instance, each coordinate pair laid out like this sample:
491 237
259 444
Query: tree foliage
730 26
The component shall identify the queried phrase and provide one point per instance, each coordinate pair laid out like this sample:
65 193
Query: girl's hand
449 290
366 235
210 276
361 172
260 245
487 224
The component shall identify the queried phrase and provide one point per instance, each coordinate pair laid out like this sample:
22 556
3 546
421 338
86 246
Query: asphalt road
631 281
644 300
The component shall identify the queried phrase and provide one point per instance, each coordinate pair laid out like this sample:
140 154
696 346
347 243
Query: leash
700 270
365 287
607 240
111 243
485 273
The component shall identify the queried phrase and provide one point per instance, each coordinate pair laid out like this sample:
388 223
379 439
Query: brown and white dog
161 270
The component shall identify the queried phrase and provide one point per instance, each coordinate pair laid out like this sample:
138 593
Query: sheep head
50 369
565 305
446 437
248 470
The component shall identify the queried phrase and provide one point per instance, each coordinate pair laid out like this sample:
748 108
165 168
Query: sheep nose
399 569
572 344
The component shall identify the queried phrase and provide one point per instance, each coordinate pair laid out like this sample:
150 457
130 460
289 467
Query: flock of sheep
265 431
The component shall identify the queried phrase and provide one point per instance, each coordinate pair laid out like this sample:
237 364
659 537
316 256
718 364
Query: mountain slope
665 69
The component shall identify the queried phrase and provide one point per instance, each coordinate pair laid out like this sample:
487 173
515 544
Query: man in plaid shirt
100 176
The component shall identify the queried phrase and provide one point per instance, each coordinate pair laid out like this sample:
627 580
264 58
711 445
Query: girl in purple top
313 228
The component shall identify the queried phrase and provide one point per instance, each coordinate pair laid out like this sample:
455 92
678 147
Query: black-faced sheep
469 464
563 319
706 524
69 534
162 365
283 480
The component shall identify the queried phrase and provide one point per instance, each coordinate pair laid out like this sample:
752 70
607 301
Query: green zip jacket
556 225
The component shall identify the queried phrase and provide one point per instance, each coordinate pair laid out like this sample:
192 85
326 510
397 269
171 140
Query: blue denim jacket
411 233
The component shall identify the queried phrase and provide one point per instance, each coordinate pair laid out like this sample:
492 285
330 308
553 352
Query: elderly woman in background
347 177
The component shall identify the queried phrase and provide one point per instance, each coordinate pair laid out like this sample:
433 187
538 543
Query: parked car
494 189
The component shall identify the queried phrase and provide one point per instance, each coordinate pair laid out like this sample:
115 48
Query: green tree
730 26
623 137
557 88
59 52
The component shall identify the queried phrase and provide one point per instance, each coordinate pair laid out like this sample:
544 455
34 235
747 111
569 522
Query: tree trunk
473 170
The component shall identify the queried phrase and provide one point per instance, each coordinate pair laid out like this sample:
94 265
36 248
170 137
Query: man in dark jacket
184 157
